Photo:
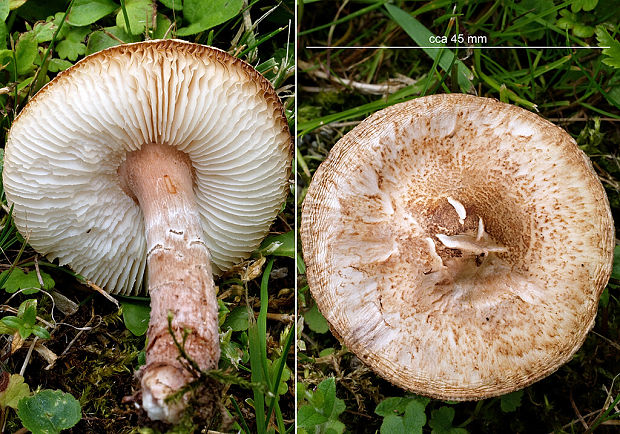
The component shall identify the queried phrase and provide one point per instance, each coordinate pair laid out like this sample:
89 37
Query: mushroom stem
180 282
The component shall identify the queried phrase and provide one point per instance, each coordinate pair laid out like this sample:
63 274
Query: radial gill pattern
66 146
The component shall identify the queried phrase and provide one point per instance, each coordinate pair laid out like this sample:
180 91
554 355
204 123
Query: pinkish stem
179 274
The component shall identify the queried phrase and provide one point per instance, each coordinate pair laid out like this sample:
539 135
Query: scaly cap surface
458 245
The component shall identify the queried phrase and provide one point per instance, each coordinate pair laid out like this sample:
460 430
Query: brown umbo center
460 259
459 233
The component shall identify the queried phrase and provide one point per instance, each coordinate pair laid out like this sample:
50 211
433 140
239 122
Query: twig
609 341
386 88
579 416
102 292
282 317
47 354
330 33
27 359
39 277
78 335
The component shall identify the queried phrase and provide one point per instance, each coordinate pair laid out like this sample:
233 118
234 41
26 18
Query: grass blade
257 375
421 36
495 85
287 347
349 17
242 421
126 17
257 335
402 95
46 54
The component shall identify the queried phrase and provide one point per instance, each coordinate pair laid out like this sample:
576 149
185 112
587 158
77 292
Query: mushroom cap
65 147
458 245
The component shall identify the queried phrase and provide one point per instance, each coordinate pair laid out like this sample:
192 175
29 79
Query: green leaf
6 61
301 266
567 21
25 330
441 422
308 417
326 352
136 316
15 390
57 65
44 32
85 12
421 35
14 4
392 424
222 312
393 405
58 18
29 281
332 406
4 34
535 10
613 52
279 245
175 5
315 320
334 427
204 15
441 419
28 311
415 417
511 401
73 44
49 412
4 10
613 97
231 351
25 52
583 31
321 415
237 319
162 27
586 5
615 273
138 13
272 369
106 38
5 329
11 321
40 332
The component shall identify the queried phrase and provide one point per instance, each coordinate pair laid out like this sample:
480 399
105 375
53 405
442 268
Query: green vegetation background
70 362
578 90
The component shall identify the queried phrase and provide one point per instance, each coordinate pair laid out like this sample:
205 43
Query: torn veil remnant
458 245
164 154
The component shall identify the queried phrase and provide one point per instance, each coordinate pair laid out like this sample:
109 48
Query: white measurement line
408 47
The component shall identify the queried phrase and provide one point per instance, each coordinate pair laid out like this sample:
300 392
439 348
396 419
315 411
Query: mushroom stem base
159 178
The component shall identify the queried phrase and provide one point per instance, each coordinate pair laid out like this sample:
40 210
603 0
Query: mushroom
458 245
163 155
